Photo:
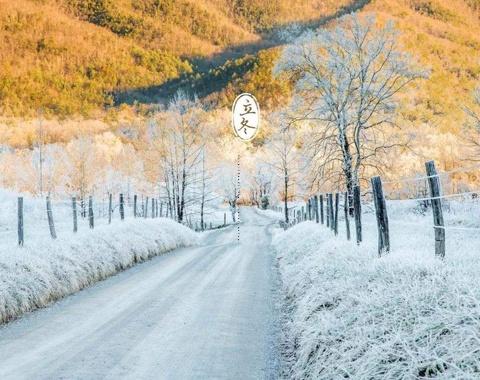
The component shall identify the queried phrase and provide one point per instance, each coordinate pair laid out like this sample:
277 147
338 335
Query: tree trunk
286 197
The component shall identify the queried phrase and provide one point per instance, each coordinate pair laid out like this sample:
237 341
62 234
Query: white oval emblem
246 116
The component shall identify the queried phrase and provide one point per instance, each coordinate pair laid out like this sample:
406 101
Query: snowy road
198 313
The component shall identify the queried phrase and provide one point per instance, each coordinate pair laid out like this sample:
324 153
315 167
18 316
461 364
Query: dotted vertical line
238 198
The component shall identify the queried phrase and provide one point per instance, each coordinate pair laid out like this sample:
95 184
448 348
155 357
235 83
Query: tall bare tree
181 144
347 79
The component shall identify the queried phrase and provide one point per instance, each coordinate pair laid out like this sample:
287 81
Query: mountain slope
70 57
445 36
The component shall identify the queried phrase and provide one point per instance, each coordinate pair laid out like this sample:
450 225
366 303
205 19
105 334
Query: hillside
79 57
75 56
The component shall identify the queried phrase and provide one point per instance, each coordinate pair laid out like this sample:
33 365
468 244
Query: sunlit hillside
88 59
73 57
443 35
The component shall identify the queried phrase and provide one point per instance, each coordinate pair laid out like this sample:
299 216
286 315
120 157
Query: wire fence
29 219
451 212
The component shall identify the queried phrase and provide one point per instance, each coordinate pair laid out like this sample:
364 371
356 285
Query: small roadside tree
284 158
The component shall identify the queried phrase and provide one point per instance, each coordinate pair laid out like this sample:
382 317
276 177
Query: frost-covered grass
404 316
45 270
214 215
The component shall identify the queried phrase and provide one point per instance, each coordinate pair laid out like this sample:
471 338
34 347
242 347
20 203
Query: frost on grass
46 270
404 316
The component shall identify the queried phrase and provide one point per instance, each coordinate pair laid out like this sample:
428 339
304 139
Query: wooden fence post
332 212
303 213
321 209
335 228
20 221
122 208
224 219
90 212
110 208
83 214
161 209
153 207
347 214
357 212
315 203
382 217
135 198
309 209
438 222
74 212
327 203
146 208
51 225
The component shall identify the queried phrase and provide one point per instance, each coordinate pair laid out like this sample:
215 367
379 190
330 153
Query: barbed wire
441 174
422 199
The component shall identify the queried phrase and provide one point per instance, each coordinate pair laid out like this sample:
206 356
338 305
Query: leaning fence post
110 209
74 211
321 209
382 217
357 212
345 210
20 221
122 208
335 228
90 212
438 222
51 225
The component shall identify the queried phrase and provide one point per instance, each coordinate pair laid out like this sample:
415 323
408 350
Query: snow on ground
407 315
276 215
203 312
214 215
45 270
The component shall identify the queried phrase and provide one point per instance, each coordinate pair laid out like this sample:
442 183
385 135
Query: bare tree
83 173
347 81
228 181
284 160
473 131
180 140
40 147
260 183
